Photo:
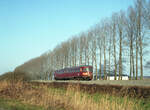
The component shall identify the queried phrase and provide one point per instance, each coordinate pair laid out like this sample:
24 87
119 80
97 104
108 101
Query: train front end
86 72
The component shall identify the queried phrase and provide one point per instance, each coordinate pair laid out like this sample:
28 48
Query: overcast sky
29 28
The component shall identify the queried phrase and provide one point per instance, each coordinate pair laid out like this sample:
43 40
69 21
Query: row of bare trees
110 44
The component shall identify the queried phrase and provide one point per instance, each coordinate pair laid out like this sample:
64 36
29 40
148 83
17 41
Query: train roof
75 67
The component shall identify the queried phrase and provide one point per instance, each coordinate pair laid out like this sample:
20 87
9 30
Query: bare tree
105 28
146 13
89 37
99 43
140 35
120 25
110 37
81 47
130 28
94 48
114 22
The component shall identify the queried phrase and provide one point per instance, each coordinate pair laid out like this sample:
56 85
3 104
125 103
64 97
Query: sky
29 28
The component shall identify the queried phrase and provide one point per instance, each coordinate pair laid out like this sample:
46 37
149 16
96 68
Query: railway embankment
135 91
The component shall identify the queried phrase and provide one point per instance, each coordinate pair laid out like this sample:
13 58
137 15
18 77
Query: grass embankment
71 98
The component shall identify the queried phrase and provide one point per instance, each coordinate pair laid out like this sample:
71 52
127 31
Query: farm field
44 97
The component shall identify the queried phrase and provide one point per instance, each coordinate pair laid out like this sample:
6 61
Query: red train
80 72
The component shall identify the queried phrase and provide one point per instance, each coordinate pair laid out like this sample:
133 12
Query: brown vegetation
15 76
117 90
70 99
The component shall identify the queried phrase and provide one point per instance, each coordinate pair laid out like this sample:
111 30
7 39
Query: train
83 72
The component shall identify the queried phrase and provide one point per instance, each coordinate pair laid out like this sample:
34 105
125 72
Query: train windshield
89 69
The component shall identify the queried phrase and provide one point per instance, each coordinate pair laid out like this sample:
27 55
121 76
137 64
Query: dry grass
71 99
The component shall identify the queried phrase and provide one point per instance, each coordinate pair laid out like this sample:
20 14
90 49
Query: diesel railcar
84 72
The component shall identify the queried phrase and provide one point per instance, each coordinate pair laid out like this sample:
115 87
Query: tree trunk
120 56
100 68
130 59
114 45
104 60
133 64
136 58
109 53
80 57
141 59
95 65
85 57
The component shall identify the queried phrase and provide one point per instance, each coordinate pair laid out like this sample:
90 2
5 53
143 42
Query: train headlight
85 73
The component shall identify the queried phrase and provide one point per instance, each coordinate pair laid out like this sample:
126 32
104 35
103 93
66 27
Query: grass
11 104
29 97
98 101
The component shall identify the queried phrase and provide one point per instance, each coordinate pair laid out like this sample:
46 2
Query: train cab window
85 69
88 69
